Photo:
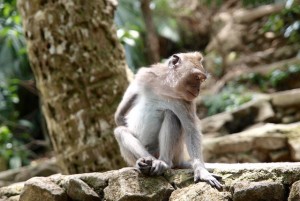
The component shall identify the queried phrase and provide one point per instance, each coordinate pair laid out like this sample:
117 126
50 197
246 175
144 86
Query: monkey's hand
151 166
201 174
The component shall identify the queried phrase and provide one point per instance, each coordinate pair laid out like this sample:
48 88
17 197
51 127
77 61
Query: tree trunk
79 68
152 39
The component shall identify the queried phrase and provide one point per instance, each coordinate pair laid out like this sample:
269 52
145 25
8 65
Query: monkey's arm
131 94
128 100
189 120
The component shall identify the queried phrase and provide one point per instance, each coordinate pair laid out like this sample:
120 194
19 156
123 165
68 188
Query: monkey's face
189 73
192 84
189 86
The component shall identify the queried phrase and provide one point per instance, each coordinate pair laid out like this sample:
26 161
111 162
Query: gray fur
153 126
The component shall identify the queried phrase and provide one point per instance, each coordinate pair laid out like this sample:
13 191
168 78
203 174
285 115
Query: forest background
251 50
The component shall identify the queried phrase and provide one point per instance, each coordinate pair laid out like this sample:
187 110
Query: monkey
156 118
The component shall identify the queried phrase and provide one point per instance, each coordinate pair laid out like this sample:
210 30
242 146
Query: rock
229 144
286 98
255 145
5 183
199 192
216 123
43 168
259 109
273 142
129 185
249 191
78 190
295 192
288 119
290 111
244 181
12 198
285 173
281 155
41 188
261 155
265 111
294 144
180 178
98 181
9 175
259 106
12 190
277 107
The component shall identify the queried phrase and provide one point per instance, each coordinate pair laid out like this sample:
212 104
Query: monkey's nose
200 77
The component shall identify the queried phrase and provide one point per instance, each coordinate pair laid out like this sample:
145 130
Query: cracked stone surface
241 182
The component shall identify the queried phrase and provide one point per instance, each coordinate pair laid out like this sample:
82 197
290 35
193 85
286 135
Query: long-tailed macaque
157 115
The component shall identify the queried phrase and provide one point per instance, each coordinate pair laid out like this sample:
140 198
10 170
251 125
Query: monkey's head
186 74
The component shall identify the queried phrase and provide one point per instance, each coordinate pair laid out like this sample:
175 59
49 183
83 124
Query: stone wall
255 181
266 143
280 108
266 129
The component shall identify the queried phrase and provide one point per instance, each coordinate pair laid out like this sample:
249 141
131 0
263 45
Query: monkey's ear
174 61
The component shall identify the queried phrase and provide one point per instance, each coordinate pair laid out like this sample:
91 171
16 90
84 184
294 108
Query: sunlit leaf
6 10
15 162
25 123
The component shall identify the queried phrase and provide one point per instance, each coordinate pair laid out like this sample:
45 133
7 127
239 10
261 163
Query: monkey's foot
144 165
201 174
151 166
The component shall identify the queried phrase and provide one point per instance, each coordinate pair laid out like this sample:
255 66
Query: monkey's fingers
211 183
158 167
144 169
154 169
210 179
142 164
217 184
148 160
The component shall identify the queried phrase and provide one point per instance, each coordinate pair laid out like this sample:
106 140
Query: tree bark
79 68
152 39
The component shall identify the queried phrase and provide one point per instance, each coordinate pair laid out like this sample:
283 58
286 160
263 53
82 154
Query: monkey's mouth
193 94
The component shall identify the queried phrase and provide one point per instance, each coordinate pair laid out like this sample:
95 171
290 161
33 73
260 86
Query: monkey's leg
181 156
131 148
169 137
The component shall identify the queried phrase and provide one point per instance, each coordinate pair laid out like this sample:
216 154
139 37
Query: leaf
25 123
6 10
15 162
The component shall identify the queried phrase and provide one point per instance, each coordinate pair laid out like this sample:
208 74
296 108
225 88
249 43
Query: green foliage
8 99
165 22
132 31
272 80
228 99
286 23
129 21
257 2
277 76
245 2
11 149
13 57
14 66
